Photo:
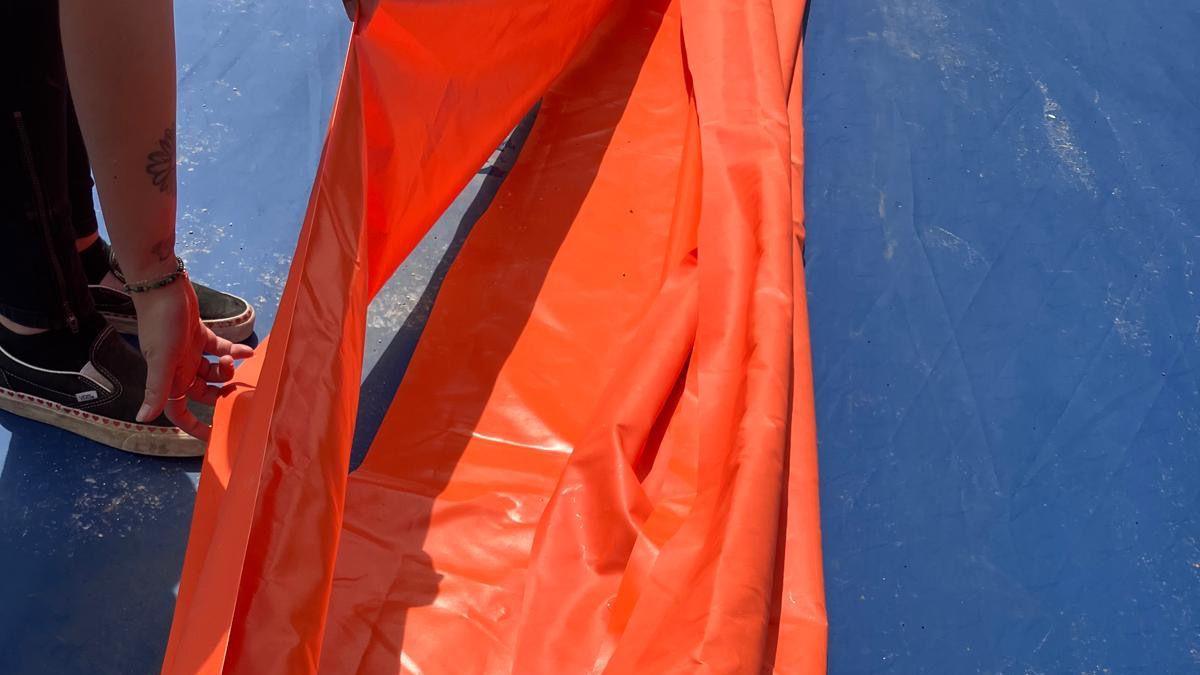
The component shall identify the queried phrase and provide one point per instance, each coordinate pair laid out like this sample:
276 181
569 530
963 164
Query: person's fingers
200 390
220 370
208 371
177 411
224 369
181 384
219 346
160 372
206 393
187 387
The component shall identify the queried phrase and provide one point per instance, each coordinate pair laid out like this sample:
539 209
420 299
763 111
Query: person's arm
120 57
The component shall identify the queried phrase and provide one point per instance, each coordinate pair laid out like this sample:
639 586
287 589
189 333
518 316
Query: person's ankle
84 242
111 281
56 348
97 266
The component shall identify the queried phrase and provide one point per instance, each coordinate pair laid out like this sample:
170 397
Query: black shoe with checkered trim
98 399
227 315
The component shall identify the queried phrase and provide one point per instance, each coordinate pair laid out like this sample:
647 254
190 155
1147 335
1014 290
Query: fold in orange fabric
602 457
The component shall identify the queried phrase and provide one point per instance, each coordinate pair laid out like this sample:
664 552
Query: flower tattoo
161 163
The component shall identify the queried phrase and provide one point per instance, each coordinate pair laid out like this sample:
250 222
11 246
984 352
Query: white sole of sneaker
235 329
140 439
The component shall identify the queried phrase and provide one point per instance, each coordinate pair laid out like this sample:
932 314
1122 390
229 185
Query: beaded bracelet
165 280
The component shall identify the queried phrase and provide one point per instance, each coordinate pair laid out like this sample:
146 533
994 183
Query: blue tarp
1004 233
1003 224
92 539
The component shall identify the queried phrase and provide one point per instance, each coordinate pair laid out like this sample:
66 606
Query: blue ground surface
91 539
1004 230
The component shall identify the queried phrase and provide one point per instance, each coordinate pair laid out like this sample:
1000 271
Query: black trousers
45 177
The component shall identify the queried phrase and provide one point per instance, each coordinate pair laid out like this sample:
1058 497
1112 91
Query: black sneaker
98 400
227 315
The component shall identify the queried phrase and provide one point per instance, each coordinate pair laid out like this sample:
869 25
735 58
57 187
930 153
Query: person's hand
351 9
174 342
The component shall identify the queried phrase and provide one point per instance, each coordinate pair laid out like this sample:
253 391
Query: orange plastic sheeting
602 456
417 114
